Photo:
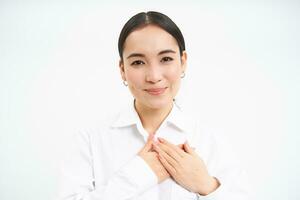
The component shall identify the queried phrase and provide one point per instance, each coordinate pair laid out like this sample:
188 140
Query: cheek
174 75
134 78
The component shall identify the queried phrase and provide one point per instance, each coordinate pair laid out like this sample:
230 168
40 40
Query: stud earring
183 74
125 83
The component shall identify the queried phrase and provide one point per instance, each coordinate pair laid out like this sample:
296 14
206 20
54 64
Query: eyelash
166 59
140 62
137 62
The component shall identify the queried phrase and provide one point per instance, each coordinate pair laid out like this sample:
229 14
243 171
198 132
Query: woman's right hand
151 158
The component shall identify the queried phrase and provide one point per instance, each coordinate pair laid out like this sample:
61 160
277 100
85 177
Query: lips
156 91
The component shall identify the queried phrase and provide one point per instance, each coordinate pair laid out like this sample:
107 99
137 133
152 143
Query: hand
151 158
185 167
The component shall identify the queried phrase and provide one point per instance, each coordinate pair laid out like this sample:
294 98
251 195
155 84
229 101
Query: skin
157 64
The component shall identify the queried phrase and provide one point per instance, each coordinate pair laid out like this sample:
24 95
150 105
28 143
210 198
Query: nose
153 75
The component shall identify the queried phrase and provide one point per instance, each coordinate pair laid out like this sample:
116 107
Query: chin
159 104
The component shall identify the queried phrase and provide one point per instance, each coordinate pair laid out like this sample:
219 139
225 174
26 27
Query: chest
122 146
129 142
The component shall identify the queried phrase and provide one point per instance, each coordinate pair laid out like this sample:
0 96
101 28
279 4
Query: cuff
139 173
217 194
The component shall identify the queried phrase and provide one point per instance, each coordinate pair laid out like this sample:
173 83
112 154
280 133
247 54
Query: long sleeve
78 176
235 189
227 169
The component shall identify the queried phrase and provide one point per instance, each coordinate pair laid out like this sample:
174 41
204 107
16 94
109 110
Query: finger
180 146
170 169
148 145
175 148
169 159
170 152
150 137
188 148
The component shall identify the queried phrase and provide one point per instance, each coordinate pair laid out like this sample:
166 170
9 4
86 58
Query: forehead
150 39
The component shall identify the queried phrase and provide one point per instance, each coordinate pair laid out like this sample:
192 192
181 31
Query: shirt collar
178 118
128 116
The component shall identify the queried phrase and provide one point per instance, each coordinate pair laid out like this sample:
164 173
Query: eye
137 62
166 59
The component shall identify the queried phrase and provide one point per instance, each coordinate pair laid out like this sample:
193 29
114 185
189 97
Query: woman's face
152 66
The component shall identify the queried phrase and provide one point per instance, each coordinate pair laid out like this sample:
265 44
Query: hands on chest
179 162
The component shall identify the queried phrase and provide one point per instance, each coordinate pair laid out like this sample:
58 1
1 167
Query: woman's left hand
185 167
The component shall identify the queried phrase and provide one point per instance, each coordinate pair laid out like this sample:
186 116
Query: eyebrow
166 51
143 55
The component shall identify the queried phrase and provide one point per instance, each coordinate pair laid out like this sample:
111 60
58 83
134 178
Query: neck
152 118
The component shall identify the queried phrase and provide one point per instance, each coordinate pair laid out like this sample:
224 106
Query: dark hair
146 18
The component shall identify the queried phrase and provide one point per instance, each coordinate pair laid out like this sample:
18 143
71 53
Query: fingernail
161 139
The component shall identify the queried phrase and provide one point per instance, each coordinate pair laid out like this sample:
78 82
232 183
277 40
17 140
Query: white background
59 72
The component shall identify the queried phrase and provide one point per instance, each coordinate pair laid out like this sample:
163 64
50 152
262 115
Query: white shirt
103 163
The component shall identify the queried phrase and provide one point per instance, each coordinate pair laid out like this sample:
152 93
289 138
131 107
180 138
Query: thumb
148 145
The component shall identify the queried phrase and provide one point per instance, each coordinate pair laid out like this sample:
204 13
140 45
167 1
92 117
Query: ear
184 61
122 70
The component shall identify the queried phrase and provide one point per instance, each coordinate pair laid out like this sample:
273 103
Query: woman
151 150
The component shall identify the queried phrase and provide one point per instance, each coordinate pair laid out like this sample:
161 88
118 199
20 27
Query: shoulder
198 131
206 139
100 127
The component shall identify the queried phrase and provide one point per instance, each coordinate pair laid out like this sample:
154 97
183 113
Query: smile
156 91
